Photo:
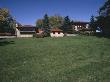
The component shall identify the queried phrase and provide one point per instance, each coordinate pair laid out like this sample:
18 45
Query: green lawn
67 59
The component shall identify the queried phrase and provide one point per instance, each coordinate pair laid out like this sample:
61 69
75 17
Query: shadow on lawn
100 35
4 42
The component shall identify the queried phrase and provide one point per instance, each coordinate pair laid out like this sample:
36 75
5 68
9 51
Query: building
39 31
25 31
56 32
78 26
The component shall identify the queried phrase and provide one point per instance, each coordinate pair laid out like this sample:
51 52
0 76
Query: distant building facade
56 32
25 31
78 26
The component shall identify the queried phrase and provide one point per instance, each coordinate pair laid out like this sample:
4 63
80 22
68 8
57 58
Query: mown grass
67 59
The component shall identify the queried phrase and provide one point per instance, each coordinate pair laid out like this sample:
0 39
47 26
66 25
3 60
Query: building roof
56 30
27 28
79 22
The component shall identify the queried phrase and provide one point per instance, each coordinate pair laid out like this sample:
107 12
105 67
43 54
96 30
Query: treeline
102 21
56 21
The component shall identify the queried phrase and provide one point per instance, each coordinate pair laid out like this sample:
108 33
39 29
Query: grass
68 59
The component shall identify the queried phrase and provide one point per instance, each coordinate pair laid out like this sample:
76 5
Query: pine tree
67 26
46 22
93 23
103 20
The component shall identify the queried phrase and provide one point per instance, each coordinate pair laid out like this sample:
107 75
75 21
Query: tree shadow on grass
4 42
99 35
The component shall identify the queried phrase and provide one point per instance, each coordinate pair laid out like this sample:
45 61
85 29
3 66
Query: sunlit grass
67 59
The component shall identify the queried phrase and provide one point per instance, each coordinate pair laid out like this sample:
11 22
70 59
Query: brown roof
27 28
56 30
79 22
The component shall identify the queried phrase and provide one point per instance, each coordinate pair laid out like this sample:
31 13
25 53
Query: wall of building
26 35
56 34
17 33
78 27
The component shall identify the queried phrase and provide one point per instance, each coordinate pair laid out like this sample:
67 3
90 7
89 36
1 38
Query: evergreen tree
93 23
46 22
103 20
105 9
67 26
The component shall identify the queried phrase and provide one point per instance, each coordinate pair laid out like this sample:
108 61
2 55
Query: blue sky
28 11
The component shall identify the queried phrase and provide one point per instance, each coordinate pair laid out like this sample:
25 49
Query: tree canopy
46 21
7 23
55 21
93 24
105 9
103 20
39 23
67 25
50 22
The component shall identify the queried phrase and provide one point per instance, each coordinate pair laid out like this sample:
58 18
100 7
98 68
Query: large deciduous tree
55 21
50 22
39 23
103 20
7 23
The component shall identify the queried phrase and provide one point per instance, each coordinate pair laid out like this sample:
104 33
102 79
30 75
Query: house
25 31
56 32
78 26
39 31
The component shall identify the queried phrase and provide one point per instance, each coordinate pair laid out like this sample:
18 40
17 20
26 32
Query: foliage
39 35
39 23
7 23
104 18
55 21
46 22
93 24
105 9
104 24
67 25
50 22
68 59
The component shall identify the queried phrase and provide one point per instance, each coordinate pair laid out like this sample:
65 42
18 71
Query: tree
50 22
105 9
7 23
67 26
93 23
55 21
39 23
46 22
104 18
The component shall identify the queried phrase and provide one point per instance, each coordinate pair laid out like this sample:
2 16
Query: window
53 32
58 32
